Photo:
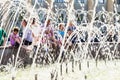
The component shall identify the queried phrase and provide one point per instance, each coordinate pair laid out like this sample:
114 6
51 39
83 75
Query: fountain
96 42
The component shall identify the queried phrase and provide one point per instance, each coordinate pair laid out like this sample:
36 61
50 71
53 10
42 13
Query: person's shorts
17 44
25 42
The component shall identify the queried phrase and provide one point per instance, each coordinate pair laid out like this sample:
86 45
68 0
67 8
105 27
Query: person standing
27 33
36 31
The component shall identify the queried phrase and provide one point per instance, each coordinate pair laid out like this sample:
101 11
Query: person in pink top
14 38
49 31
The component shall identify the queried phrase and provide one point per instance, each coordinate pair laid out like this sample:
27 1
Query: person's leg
17 44
1 42
35 48
17 40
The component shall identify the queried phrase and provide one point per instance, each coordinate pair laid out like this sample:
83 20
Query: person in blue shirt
61 29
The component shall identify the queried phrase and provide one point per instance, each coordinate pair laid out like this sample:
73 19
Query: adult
27 33
49 32
35 27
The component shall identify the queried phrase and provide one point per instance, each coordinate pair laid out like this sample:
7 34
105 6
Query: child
61 29
14 37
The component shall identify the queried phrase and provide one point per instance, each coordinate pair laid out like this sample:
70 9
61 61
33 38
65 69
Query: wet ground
109 70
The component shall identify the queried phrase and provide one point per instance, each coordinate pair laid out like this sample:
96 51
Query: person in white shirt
36 30
27 33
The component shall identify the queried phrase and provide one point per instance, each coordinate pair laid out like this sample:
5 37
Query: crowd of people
49 36
35 34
